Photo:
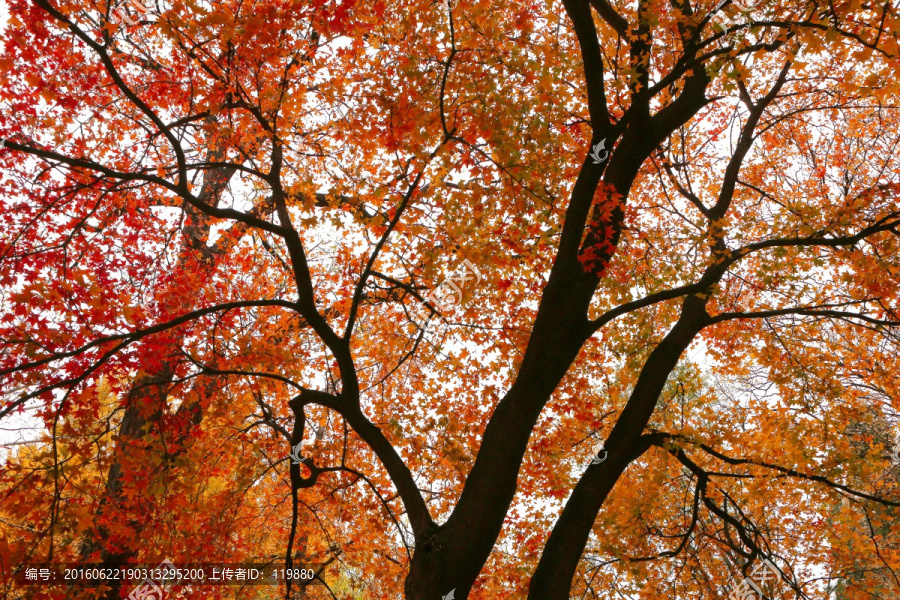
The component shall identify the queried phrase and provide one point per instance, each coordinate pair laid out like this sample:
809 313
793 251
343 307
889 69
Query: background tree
232 216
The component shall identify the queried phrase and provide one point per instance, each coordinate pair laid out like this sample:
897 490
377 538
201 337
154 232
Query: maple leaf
219 222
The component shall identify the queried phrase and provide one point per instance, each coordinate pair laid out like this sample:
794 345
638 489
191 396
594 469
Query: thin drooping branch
392 224
889 222
367 271
125 339
385 504
102 53
661 440
702 481
212 211
806 311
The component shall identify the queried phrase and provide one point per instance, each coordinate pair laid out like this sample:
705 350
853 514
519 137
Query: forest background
554 299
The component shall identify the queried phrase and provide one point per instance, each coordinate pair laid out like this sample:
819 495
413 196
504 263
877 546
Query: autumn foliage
223 220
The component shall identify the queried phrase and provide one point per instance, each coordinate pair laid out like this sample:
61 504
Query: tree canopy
467 299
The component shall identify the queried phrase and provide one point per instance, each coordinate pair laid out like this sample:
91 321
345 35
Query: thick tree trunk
148 391
552 579
151 389
450 557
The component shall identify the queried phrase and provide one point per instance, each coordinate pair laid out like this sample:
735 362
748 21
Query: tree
464 243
